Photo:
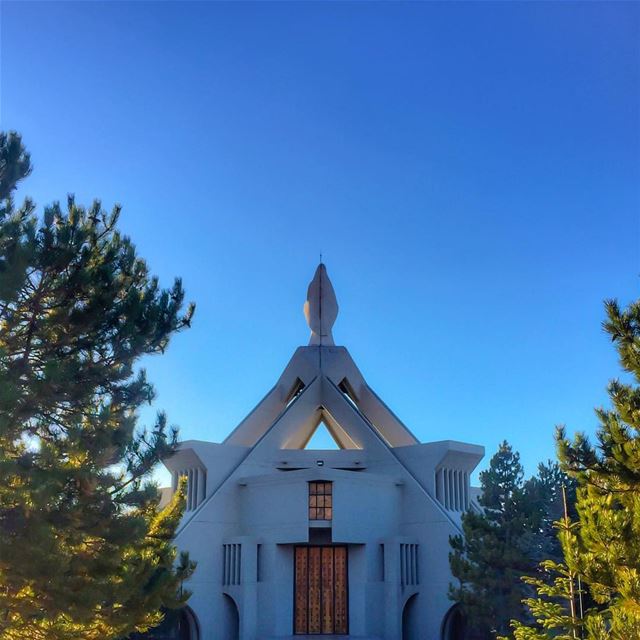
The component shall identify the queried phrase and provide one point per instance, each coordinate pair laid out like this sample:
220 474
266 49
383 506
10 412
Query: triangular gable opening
322 439
316 430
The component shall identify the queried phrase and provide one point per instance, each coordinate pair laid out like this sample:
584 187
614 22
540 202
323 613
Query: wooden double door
321 590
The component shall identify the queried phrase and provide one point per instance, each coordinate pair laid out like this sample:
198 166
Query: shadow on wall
231 619
410 629
454 625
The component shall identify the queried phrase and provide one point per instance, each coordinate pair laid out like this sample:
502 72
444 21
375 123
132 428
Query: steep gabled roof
325 375
322 384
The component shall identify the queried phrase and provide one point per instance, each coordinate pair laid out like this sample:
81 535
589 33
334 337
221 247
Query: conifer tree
545 493
85 551
491 555
559 608
602 547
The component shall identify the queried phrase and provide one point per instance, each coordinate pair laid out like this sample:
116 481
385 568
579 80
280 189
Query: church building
294 541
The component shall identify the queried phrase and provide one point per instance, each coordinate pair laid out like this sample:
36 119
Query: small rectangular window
320 501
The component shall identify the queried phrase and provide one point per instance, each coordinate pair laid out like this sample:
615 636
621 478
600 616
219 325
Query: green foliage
511 535
559 610
489 558
608 475
544 492
601 549
85 552
15 164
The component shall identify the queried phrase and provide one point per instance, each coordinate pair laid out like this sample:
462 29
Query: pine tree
602 548
608 475
545 495
85 551
492 554
559 609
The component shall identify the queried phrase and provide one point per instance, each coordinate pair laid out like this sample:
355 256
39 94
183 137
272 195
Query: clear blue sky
470 173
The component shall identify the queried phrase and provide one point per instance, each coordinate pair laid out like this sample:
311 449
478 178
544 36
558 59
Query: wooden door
320 590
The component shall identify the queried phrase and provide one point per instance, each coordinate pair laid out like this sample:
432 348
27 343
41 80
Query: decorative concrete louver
196 486
409 565
232 566
452 489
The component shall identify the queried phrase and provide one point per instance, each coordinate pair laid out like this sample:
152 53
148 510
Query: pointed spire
321 308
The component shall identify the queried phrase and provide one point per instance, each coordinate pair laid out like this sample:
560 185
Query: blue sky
470 173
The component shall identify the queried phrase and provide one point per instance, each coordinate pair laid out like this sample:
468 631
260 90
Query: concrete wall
385 506
372 512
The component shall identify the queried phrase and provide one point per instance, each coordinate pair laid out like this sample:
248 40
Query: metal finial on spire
321 308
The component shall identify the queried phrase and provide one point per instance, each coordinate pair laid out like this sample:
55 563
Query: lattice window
320 501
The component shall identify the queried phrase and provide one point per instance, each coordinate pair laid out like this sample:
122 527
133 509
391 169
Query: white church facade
292 541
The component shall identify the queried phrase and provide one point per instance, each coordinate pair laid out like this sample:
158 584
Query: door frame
293 622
